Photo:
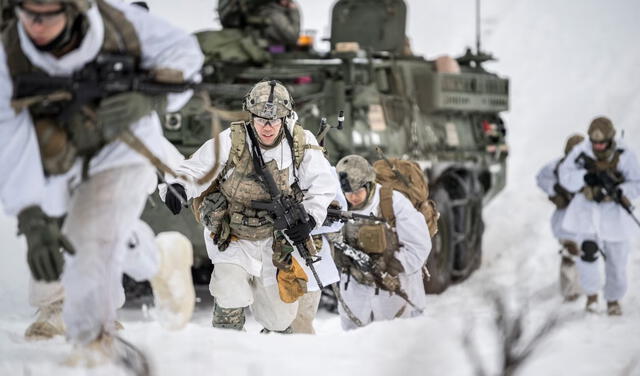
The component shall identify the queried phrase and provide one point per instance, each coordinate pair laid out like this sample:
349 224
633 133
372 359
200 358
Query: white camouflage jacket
24 183
315 179
606 221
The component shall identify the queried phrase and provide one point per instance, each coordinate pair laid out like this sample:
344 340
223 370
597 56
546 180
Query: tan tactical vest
61 144
612 167
244 186
379 240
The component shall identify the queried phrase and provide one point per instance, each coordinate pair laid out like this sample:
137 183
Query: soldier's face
42 22
268 130
600 146
357 197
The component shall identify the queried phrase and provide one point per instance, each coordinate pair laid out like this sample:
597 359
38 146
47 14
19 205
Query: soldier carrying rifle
605 175
272 191
381 261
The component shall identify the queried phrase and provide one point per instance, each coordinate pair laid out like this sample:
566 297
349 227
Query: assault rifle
366 264
608 185
335 215
285 210
108 75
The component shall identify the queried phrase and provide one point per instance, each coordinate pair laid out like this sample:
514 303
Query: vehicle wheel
469 251
440 261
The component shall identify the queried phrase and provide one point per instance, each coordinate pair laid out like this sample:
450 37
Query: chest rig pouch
62 139
608 168
379 241
243 187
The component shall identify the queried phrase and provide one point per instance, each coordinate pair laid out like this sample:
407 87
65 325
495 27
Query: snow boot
592 304
173 290
288 330
613 308
110 349
48 324
98 352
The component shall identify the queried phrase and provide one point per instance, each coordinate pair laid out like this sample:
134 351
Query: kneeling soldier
380 263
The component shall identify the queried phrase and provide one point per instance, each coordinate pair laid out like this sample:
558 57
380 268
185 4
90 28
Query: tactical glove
172 201
300 232
587 162
117 113
292 282
45 243
592 179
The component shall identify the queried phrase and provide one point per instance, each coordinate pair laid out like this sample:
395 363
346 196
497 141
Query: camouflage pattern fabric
228 318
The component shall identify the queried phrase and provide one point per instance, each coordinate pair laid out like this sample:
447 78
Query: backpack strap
17 61
120 34
238 142
386 205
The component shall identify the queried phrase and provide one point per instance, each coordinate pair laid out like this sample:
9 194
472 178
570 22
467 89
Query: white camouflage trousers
615 265
102 212
369 304
307 309
233 287
141 263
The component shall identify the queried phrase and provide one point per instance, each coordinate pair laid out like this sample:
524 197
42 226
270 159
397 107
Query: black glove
172 201
592 179
300 232
45 243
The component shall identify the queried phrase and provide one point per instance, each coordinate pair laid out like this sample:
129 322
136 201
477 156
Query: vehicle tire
441 258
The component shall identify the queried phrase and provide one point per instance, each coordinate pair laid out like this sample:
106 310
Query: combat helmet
601 131
572 142
268 100
355 172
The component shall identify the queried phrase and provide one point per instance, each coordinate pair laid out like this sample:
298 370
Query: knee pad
589 251
228 318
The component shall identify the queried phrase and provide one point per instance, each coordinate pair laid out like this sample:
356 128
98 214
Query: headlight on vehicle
173 121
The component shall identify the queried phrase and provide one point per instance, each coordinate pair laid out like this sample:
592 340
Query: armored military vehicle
443 113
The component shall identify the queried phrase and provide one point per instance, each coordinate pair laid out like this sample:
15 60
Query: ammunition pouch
596 194
56 149
372 239
251 224
590 251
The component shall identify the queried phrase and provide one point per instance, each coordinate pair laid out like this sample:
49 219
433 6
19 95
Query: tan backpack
389 174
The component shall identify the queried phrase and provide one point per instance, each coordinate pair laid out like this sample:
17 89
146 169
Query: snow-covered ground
568 62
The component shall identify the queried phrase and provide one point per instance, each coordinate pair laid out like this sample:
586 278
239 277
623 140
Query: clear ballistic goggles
263 122
43 18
